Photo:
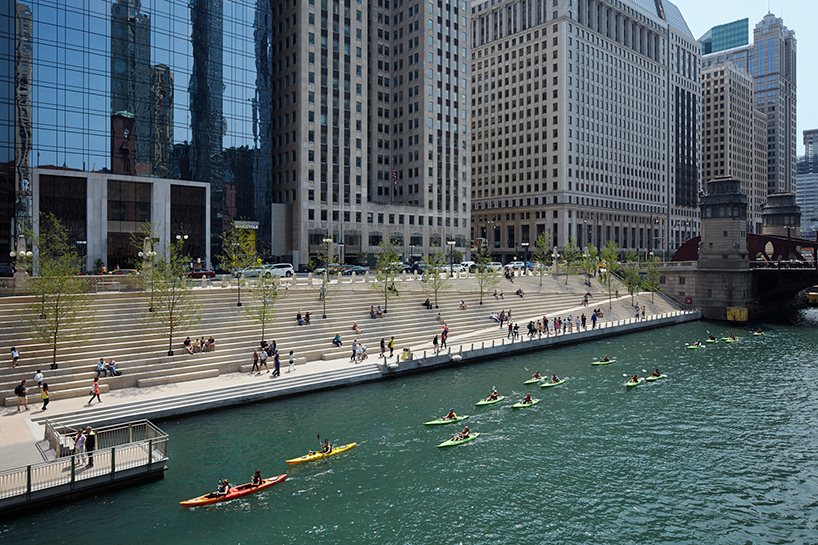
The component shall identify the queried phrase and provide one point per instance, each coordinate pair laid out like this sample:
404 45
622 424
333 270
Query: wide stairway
142 357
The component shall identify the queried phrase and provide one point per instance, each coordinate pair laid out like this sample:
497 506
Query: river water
724 450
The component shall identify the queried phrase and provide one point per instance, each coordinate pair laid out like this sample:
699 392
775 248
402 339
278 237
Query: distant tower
781 216
723 278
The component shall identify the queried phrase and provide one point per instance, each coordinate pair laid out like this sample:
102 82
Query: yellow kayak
320 455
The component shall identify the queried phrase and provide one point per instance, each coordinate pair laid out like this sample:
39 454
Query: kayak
522 405
757 334
692 347
631 384
235 492
533 380
451 442
651 378
729 340
602 362
711 341
440 421
489 401
549 384
319 455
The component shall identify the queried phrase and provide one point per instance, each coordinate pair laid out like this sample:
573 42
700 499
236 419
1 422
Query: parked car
6 271
280 269
250 272
495 266
468 265
455 267
209 273
357 269
128 272
332 268
516 265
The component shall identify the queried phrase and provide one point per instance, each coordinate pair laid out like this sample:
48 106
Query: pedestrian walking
510 330
276 366
255 362
391 346
38 378
263 361
292 362
444 336
593 320
15 355
95 391
20 391
644 314
354 350
584 321
383 346
44 394
79 447
90 444
435 343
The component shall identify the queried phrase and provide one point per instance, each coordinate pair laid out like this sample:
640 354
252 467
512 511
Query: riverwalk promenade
221 378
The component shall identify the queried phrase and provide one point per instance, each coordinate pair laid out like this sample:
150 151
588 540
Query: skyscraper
725 36
771 61
585 124
807 184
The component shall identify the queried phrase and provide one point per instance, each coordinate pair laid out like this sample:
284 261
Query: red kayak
235 492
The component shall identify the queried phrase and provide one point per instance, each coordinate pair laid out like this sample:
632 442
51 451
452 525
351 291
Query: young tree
326 289
487 278
238 253
590 260
265 293
387 269
62 316
435 281
651 281
571 254
610 262
542 254
630 274
146 239
175 306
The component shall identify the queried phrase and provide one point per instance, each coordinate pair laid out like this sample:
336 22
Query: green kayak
489 401
711 341
522 405
549 384
652 378
533 380
440 421
729 340
692 347
451 442
757 334
631 384
602 362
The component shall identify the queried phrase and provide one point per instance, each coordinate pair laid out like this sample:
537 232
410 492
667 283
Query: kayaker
451 415
536 374
635 378
606 358
463 434
555 378
732 337
759 330
528 399
224 488
492 396
326 448
712 337
257 480
656 373
697 343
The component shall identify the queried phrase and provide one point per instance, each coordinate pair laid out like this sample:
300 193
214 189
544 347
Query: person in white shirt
39 379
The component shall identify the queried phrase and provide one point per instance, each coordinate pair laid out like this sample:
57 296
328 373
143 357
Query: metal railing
124 447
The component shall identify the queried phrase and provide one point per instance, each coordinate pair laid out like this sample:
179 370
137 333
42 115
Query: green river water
722 451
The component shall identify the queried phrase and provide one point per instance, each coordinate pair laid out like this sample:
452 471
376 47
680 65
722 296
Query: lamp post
554 257
148 255
525 256
23 257
450 243
323 292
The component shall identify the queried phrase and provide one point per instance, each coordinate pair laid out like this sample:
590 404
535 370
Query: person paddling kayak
606 358
451 415
527 400
257 480
536 375
732 337
555 378
712 337
223 489
326 448
492 396
635 378
657 373
463 434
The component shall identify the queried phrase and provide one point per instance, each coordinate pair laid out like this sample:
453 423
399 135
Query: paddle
320 446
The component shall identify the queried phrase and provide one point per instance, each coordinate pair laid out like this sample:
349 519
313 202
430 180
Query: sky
798 15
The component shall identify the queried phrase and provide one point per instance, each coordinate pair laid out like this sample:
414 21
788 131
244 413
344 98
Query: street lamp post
525 256
450 243
554 257
323 294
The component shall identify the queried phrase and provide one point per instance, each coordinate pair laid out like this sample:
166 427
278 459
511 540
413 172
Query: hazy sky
799 15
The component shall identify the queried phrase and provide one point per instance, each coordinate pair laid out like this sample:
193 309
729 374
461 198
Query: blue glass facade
163 88
727 36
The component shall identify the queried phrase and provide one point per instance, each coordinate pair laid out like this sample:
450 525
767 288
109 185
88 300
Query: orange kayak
235 492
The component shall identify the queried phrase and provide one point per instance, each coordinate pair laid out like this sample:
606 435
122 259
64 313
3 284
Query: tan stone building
585 124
